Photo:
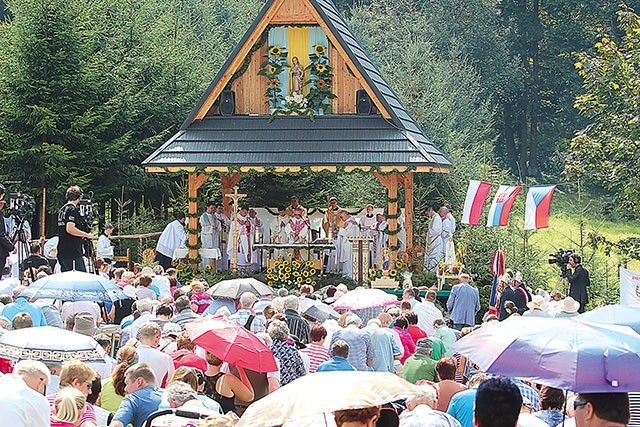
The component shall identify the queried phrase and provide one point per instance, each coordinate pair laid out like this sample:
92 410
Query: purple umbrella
621 315
561 353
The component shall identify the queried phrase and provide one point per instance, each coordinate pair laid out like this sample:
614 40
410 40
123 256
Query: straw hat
85 324
569 305
517 277
537 302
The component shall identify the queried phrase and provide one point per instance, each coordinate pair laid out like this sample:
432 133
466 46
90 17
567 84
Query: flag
501 206
629 287
473 204
536 214
497 269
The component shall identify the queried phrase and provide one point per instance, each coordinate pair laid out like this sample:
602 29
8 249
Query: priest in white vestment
380 239
344 248
244 246
433 251
225 225
173 237
257 232
297 230
278 232
331 223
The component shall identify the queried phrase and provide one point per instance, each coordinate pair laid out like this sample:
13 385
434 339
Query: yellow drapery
298 46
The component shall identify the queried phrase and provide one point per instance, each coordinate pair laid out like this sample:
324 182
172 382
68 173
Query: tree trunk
509 139
534 103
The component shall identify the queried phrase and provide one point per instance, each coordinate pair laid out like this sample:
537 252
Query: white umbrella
317 309
49 345
325 392
361 299
233 288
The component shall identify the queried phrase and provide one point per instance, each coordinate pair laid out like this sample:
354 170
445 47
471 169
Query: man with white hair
144 307
361 351
427 312
385 347
420 411
463 303
22 401
181 395
246 316
297 325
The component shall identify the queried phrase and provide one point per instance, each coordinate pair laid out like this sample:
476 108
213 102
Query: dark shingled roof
330 140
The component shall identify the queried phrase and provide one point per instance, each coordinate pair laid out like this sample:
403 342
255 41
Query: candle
330 236
257 237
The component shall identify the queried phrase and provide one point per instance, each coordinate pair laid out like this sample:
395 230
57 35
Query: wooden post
195 182
407 183
228 182
391 183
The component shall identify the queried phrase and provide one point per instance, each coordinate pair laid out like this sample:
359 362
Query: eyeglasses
578 403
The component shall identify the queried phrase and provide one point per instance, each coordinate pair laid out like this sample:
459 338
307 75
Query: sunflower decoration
274 83
308 264
272 69
275 50
319 49
292 274
321 68
399 264
373 273
393 272
321 84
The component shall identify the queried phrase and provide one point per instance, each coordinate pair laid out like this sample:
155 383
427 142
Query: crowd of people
156 365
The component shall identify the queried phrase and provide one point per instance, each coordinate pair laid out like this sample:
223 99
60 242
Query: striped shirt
89 413
297 326
317 354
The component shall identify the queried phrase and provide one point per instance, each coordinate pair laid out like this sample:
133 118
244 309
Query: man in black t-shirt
34 260
70 236
5 242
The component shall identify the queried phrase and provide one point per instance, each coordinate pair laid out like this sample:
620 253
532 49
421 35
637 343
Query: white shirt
20 406
427 312
104 248
137 324
73 307
159 362
163 285
173 237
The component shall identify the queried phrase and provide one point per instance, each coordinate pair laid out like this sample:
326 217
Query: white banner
629 287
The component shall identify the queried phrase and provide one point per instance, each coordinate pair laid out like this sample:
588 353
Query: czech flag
474 203
536 214
501 206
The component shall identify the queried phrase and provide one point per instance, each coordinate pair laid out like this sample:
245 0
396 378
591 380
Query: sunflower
272 69
399 263
281 276
296 274
393 272
299 279
274 83
321 68
270 283
308 280
285 263
287 276
289 255
208 267
309 263
313 283
373 272
275 50
319 49
305 273
320 84
312 272
270 270
287 269
295 263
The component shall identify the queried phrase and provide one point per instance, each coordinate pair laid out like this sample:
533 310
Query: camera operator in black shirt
6 247
70 244
578 281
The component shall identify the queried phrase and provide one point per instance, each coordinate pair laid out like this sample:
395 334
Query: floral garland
271 68
320 80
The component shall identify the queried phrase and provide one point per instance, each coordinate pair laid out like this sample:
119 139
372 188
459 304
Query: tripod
87 247
20 239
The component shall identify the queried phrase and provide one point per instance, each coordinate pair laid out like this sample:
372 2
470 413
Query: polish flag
536 214
473 204
501 206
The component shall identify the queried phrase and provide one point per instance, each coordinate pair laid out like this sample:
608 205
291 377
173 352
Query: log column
407 182
391 184
195 182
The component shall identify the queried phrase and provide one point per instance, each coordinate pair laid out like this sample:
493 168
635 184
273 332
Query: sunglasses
578 403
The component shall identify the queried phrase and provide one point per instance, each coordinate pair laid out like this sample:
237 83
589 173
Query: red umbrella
232 343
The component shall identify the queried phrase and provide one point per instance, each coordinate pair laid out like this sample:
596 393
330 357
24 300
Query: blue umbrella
561 353
621 315
74 286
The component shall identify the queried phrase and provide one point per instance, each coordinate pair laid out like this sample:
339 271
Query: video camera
21 204
561 258
88 212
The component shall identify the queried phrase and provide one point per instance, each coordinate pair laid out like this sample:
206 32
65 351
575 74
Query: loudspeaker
364 104
227 103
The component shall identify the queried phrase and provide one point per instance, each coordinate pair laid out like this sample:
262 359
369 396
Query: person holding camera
6 247
578 281
70 243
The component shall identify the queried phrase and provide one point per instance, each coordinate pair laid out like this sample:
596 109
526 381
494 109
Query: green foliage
320 80
606 151
271 68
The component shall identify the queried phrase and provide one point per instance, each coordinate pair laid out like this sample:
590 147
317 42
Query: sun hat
569 305
537 302
84 324
171 329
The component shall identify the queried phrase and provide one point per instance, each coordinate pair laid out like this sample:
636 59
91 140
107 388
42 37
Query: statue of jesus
297 76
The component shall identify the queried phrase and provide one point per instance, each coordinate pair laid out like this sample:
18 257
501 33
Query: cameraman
6 247
70 244
578 281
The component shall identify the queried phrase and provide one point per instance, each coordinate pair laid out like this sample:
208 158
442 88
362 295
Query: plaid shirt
528 393
242 316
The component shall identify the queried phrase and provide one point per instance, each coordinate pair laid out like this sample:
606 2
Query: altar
310 248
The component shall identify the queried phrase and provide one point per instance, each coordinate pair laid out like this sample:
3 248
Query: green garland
389 216
307 169
247 59
391 232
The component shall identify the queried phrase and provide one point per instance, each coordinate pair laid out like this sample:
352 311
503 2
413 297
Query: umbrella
326 392
317 309
621 315
364 298
49 344
74 286
233 288
561 353
232 343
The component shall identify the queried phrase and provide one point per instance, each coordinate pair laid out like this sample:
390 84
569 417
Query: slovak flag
501 206
474 203
536 214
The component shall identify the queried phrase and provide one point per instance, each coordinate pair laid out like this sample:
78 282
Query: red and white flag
474 202
536 214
